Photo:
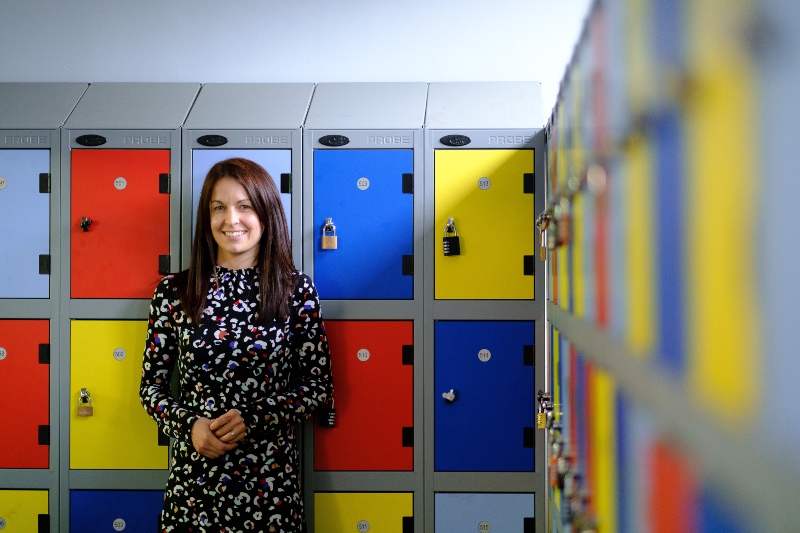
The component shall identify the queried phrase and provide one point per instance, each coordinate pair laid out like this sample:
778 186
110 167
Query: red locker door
374 393
119 222
25 393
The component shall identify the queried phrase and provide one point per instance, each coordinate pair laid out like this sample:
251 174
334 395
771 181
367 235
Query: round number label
363 184
120 183
119 524
3 183
119 354
363 354
2 523
484 183
484 355
484 527
363 526
3 353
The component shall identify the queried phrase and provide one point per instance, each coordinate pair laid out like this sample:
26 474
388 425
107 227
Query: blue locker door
502 513
131 511
488 425
24 224
276 162
363 192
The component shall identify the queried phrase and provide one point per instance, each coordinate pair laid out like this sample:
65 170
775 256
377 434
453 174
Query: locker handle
86 222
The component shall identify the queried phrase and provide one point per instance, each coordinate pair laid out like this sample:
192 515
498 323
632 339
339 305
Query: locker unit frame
368 114
487 113
34 113
247 116
127 116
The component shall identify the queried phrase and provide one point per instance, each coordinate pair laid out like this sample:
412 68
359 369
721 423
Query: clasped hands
215 438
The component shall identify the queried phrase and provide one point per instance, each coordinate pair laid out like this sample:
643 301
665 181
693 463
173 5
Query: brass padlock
329 239
85 404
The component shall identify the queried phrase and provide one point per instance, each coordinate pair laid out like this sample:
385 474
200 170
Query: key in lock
329 239
85 404
450 243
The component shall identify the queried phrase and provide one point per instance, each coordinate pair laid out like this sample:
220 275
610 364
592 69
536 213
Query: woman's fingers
230 427
206 442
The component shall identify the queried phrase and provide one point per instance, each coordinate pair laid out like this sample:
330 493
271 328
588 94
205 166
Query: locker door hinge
527 267
44 264
44 523
163 440
44 183
527 355
408 354
408 524
44 435
408 183
408 265
408 437
44 354
528 183
527 437
529 524
164 183
286 183
163 264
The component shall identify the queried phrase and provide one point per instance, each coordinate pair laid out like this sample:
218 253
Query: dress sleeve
160 353
309 347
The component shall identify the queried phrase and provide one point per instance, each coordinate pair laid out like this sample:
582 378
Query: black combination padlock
450 243
327 417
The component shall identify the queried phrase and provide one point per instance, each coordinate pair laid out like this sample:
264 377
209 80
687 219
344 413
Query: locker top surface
133 106
485 105
250 106
37 105
364 106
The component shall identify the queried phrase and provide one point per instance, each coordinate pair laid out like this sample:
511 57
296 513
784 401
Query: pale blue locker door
368 195
131 511
487 425
276 162
495 513
24 224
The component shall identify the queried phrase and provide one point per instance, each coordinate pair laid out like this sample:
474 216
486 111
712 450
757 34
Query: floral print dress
274 375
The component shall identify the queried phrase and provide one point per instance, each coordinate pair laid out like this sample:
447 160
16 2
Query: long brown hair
274 261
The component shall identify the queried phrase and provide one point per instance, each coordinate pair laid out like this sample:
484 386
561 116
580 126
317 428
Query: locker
373 362
489 196
119 222
502 513
106 359
276 162
24 511
489 423
363 512
131 511
24 224
366 196
25 393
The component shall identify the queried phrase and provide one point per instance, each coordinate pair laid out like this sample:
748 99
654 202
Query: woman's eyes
245 207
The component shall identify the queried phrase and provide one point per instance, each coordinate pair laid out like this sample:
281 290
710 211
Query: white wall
284 40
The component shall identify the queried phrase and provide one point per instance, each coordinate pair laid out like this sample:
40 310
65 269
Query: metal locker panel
484 191
488 424
504 513
106 361
362 512
276 162
24 223
25 392
37 105
117 255
362 192
131 511
372 363
484 105
22 511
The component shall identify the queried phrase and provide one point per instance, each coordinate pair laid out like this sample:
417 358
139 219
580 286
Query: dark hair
274 261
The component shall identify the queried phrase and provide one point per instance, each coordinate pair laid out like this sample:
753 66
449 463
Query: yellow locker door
106 360
489 196
20 510
361 512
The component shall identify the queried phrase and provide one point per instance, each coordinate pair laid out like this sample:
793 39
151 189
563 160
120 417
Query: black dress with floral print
275 375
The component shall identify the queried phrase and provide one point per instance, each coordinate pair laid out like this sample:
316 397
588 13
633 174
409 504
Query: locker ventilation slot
408 437
44 264
44 435
527 355
455 140
44 354
408 524
163 440
212 140
334 140
163 264
91 140
527 267
529 525
44 523
527 187
527 437
408 354
164 183
408 183
408 265
44 183
286 183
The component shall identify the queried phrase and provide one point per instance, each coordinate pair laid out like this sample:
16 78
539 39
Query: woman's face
234 224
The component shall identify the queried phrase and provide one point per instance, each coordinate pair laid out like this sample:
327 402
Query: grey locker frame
33 113
368 114
249 116
125 114
488 113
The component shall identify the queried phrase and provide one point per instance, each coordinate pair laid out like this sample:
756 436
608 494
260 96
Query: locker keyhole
86 222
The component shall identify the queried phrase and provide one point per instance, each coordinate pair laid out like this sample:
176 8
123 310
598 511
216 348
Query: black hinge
527 267
164 184
163 440
408 354
408 183
408 524
527 437
408 265
44 435
44 523
527 355
529 524
408 437
44 264
286 183
44 183
528 183
163 264
44 354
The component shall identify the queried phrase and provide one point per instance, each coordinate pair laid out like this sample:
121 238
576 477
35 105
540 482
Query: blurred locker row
672 280
409 204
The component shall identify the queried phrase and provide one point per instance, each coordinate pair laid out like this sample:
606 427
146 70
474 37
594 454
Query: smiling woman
235 226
